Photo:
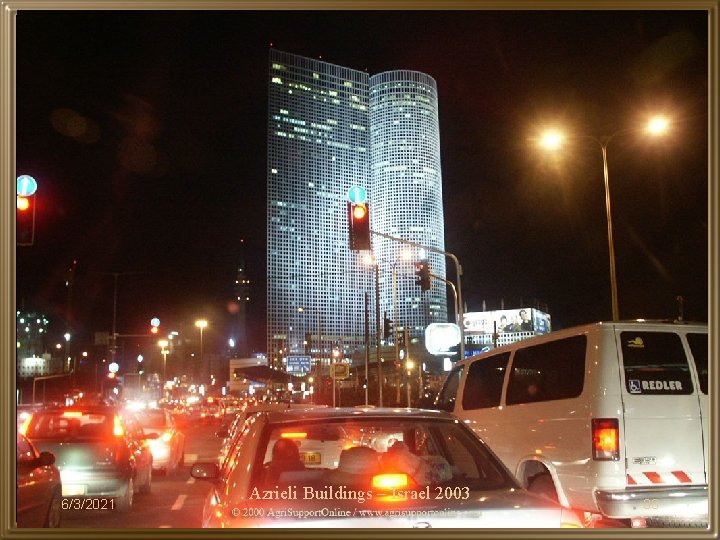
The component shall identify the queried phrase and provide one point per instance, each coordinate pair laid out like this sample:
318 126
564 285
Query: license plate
70 490
311 458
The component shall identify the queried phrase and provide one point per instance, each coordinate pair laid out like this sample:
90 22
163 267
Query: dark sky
146 131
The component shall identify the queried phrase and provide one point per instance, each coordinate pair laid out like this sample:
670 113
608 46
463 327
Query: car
39 487
367 468
101 452
610 418
168 449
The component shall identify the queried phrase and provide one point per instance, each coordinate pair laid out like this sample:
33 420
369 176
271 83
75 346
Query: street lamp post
201 324
163 343
552 140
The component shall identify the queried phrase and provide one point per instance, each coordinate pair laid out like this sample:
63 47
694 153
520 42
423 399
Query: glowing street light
201 324
554 139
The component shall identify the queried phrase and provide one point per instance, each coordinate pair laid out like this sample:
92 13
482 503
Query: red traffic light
23 203
25 223
359 211
359 225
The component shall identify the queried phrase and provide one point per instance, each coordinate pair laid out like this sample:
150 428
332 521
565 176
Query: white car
367 468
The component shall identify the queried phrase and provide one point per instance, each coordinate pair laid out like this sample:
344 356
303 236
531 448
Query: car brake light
606 439
293 435
24 426
118 430
72 414
166 437
390 481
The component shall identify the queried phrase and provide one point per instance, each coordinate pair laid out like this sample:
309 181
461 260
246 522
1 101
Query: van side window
446 398
484 382
699 348
655 363
550 371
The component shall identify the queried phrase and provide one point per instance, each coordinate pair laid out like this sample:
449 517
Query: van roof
650 324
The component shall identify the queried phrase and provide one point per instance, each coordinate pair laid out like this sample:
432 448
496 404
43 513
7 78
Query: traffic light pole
459 312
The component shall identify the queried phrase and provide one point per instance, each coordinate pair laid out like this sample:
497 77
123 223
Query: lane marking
191 480
178 504
192 458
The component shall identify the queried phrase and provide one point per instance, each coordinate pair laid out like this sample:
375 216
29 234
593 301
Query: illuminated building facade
331 128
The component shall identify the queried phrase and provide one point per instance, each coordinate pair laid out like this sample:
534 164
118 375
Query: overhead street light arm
458 268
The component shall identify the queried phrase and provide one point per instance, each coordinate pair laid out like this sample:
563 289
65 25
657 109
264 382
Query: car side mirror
205 471
45 459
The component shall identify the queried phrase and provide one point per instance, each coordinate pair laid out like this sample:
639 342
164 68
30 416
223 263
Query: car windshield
66 424
365 454
152 419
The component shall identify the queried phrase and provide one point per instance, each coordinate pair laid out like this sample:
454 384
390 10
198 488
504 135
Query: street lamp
201 324
554 139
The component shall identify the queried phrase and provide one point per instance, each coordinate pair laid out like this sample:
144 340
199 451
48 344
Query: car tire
125 501
542 484
52 520
146 486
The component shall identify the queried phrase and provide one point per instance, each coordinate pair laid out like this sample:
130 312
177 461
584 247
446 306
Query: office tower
331 128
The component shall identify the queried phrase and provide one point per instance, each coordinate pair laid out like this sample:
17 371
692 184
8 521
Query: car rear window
351 454
64 425
655 364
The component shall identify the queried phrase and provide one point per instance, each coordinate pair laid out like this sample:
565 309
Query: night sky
147 134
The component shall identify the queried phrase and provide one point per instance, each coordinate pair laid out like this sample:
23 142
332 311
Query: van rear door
663 431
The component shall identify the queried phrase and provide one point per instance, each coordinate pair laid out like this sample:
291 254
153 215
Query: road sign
339 371
441 337
26 185
298 365
357 195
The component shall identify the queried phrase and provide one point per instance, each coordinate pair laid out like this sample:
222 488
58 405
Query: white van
607 418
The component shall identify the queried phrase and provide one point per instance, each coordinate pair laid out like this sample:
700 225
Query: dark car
101 452
39 488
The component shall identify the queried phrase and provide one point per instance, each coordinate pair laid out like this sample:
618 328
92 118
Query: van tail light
606 439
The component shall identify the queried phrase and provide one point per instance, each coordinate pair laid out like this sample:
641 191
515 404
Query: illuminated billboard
507 321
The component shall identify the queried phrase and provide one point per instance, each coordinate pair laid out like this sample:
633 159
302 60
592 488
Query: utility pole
458 268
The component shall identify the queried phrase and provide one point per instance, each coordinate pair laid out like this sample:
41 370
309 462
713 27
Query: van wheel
542 484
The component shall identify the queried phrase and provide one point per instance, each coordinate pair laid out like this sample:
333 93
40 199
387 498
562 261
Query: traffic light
25 230
359 225
422 271
387 327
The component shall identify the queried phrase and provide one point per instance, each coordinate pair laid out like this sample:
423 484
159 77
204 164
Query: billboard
507 321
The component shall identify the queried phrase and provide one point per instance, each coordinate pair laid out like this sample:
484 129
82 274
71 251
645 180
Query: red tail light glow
606 439
118 430
390 481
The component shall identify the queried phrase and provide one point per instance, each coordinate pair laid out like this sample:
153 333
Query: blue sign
26 185
298 365
357 195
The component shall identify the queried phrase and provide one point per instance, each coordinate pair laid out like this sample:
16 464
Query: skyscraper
331 128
